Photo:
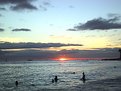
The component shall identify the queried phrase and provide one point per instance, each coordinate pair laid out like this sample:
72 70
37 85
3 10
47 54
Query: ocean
37 75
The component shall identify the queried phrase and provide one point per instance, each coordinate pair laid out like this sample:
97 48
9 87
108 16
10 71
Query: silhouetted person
56 79
83 77
52 80
16 83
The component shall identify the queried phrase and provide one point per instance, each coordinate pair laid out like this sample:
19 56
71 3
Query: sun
62 59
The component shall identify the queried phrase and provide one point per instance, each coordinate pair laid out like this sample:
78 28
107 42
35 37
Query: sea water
38 75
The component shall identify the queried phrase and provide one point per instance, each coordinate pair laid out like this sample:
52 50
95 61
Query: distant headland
115 58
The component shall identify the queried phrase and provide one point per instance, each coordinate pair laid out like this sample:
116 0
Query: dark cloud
23 6
8 45
2 41
45 4
72 30
22 29
113 22
2 9
93 53
113 15
47 54
19 4
1 29
29 54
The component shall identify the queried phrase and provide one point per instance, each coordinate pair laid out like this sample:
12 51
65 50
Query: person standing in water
52 80
56 79
83 77
16 83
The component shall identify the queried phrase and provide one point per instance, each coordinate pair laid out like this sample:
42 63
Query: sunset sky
71 28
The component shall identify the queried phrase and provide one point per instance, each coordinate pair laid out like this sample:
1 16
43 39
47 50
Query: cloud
93 53
8 45
100 23
1 29
2 9
45 4
72 29
2 41
47 54
23 6
113 15
19 4
22 29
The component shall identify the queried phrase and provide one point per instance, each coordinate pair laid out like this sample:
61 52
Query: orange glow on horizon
63 59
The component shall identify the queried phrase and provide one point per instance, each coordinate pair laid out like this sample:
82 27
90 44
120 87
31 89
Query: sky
60 28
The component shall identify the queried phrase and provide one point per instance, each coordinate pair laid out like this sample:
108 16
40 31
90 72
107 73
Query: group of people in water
83 78
56 79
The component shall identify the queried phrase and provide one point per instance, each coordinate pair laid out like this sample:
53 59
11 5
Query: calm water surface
37 75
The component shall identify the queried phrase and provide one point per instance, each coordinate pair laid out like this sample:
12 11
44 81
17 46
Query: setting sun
62 59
